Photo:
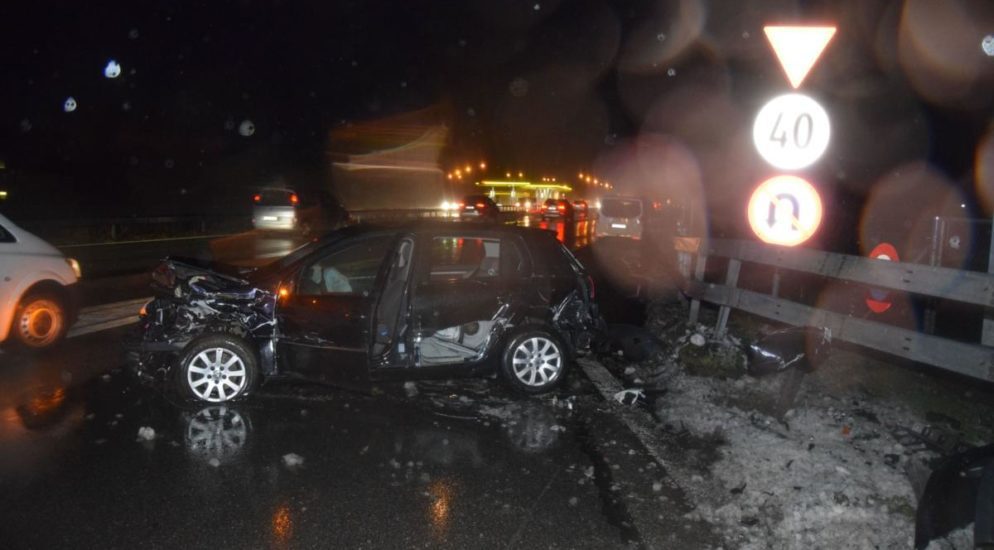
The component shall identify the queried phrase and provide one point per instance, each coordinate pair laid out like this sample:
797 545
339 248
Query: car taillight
461 205
257 198
481 205
294 199
561 207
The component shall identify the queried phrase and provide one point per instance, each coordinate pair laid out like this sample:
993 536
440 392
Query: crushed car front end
192 301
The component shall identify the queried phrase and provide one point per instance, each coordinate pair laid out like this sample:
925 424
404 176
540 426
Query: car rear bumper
279 224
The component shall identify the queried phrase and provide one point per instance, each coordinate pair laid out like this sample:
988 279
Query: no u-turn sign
785 210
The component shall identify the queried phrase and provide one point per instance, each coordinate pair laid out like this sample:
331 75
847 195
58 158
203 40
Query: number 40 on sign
791 131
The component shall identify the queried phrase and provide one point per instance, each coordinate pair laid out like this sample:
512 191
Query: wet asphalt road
459 465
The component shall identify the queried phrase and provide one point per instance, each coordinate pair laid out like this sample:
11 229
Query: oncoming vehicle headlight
74 265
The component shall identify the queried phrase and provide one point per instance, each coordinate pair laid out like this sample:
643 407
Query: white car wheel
40 322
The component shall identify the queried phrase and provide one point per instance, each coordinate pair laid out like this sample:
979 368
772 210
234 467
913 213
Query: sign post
791 132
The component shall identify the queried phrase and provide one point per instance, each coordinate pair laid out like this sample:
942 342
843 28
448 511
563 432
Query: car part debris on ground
799 456
798 347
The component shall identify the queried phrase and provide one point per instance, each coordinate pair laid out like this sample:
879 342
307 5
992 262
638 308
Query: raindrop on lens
661 37
246 128
25 125
113 69
519 87
229 124
170 163
538 7
671 72
987 44
70 104
133 34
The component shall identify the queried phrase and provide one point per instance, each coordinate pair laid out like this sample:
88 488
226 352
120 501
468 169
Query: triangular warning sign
798 48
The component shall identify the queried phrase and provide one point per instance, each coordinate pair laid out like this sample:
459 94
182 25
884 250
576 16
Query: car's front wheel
217 369
534 361
40 321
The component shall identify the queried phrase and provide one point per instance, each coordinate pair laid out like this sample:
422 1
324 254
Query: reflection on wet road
91 459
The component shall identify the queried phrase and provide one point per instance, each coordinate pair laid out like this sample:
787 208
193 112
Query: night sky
550 88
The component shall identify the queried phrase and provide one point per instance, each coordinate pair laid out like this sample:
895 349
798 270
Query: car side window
348 270
513 261
6 236
453 257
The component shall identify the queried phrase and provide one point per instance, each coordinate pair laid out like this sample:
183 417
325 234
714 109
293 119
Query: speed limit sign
791 131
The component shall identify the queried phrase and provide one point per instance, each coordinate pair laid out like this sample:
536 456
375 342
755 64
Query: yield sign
798 48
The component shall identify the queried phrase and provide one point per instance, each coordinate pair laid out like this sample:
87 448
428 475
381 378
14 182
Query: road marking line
107 316
98 327
113 243
137 303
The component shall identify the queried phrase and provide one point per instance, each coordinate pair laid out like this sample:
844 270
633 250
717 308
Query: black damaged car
425 300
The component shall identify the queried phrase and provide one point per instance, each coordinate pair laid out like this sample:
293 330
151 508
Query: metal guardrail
975 288
114 229
422 213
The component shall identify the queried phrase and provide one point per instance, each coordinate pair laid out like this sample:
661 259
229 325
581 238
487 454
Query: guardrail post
695 304
731 279
987 337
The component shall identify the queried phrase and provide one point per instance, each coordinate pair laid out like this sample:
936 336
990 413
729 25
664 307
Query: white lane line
114 243
107 316
97 327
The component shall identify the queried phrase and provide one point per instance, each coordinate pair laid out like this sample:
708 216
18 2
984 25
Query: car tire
217 369
40 321
534 361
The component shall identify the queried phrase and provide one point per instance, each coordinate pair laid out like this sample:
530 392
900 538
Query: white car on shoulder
37 289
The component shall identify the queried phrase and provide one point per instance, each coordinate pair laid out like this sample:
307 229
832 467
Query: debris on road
630 397
799 347
797 457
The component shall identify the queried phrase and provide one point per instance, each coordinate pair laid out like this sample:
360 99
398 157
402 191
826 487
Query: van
275 208
623 217
314 212
38 296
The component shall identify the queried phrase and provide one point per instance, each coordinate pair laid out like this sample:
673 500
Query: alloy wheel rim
216 375
537 361
40 323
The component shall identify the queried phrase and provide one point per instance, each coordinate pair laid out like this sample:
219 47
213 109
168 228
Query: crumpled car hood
194 300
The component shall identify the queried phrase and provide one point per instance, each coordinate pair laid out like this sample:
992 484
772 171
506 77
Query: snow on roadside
805 482
815 470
